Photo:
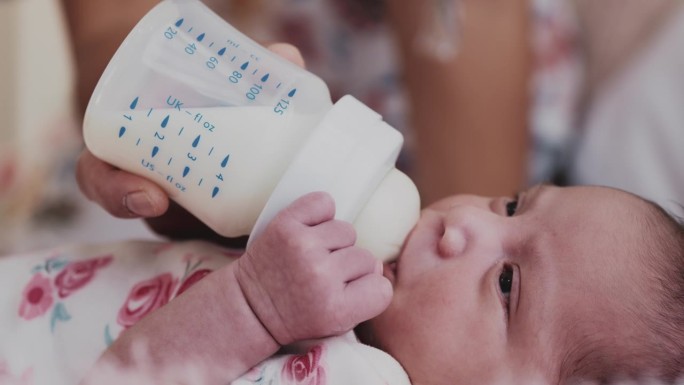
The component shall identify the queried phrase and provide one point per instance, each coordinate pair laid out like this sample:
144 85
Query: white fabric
332 361
61 308
633 137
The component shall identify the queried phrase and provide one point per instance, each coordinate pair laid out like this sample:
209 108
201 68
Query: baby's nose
464 226
452 243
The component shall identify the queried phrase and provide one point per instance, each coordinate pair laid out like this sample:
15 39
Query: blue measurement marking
222 51
179 22
292 93
138 142
279 84
169 162
200 182
190 30
233 59
224 163
212 150
215 192
188 112
134 103
255 71
196 141
149 112
186 170
122 131
128 117
211 45
155 150
200 37
181 131
244 65
165 121
265 78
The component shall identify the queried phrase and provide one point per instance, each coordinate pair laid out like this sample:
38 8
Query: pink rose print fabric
36 298
192 279
145 297
56 279
7 378
61 308
331 361
77 274
64 307
305 369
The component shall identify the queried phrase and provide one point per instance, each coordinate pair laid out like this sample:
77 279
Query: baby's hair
668 330
658 352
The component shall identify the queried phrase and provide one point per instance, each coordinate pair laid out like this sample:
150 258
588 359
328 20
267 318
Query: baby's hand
305 279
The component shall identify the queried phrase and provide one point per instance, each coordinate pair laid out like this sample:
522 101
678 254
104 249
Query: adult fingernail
139 203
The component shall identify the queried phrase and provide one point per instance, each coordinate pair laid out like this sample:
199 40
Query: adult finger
289 52
121 193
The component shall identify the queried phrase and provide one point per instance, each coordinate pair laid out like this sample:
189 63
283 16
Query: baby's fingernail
378 267
139 203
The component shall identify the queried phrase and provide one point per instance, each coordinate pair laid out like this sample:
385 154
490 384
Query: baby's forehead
591 262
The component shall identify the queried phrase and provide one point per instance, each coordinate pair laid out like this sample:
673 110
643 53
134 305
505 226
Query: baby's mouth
389 270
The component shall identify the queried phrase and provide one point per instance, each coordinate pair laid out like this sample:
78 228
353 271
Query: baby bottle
234 133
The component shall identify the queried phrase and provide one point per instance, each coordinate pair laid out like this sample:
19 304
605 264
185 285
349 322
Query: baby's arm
302 279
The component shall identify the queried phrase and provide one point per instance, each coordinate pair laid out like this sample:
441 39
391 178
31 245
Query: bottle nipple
389 216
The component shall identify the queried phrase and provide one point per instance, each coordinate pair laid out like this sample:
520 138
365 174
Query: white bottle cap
351 155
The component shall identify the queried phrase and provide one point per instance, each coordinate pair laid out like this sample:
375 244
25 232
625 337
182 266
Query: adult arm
469 111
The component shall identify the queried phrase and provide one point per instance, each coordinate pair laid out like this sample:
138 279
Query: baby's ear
289 52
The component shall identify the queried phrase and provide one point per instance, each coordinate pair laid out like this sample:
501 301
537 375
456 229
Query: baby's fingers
121 193
352 263
366 298
311 209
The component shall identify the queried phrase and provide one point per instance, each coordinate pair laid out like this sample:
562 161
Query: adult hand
126 195
305 279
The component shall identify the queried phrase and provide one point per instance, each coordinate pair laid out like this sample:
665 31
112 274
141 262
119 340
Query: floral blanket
61 308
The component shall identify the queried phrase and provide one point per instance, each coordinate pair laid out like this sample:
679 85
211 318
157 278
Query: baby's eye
506 282
511 207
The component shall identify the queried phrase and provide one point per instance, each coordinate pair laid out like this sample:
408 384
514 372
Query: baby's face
486 289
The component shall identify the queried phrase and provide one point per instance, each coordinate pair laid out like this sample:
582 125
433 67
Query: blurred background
40 204
606 88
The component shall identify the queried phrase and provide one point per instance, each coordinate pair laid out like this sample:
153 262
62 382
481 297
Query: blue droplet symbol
200 37
155 150
292 93
165 121
196 141
215 192
179 22
134 103
265 77
222 51
244 65
186 170
122 131
225 161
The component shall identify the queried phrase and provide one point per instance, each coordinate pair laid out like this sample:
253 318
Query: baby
556 285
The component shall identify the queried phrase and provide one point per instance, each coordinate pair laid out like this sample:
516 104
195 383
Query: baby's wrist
260 302
255 343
